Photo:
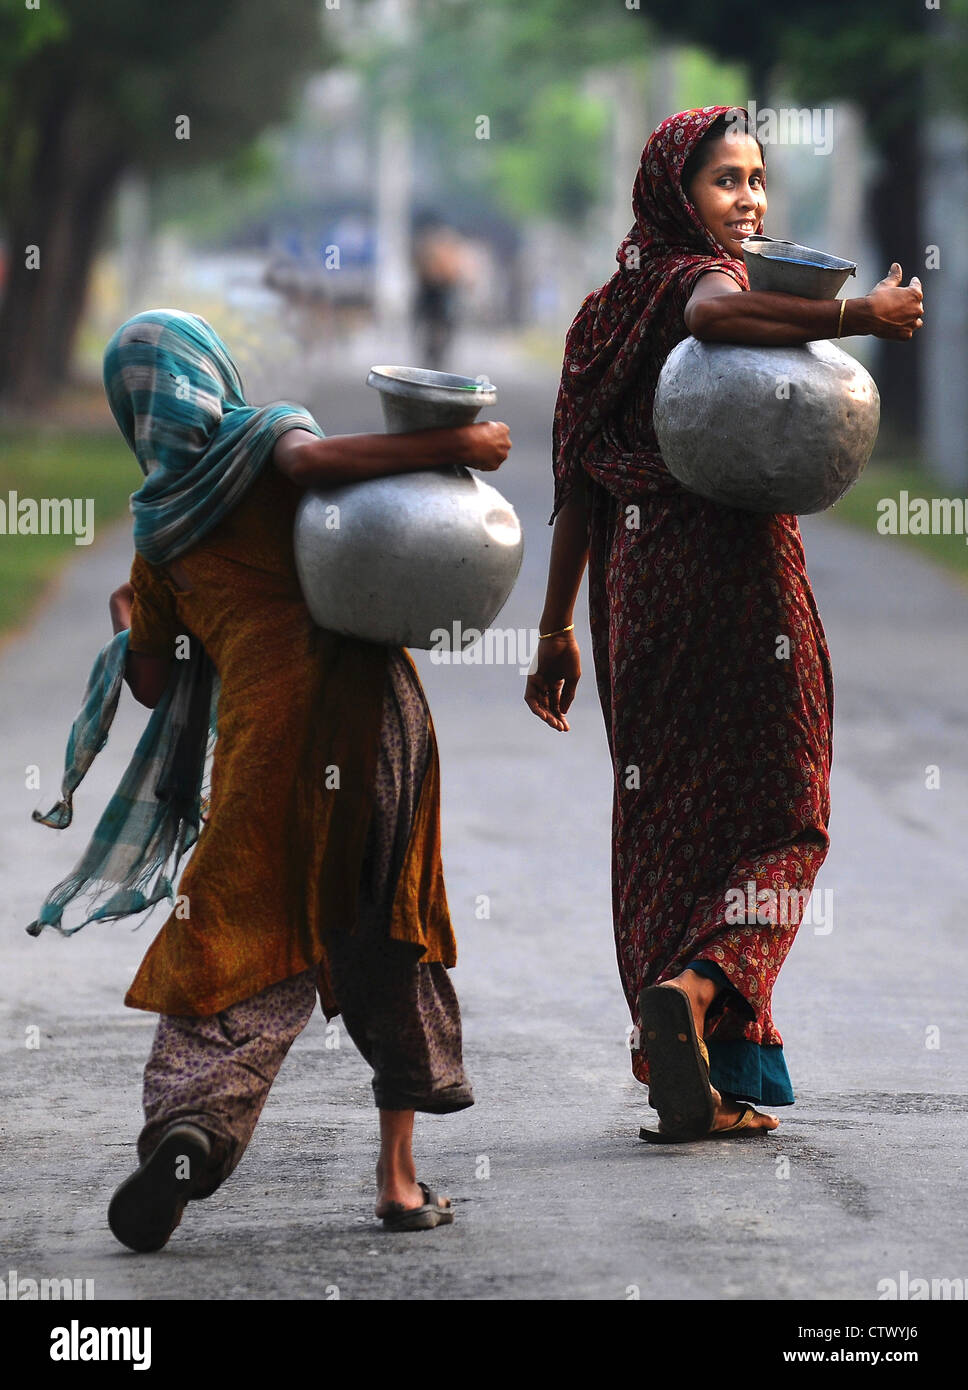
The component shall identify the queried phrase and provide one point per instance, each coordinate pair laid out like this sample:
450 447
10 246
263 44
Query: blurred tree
496 97
91 87
873 53
556 167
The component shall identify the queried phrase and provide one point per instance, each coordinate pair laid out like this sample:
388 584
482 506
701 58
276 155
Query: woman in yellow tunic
317 869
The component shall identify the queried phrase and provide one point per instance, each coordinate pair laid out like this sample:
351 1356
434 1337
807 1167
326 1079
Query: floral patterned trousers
403 1015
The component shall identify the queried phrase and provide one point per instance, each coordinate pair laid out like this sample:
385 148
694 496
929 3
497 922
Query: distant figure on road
721 751
439 263
317 870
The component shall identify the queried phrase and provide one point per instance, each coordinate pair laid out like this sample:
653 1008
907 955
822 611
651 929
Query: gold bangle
840 325
559 633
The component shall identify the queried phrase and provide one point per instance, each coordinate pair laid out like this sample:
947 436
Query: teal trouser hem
743 1070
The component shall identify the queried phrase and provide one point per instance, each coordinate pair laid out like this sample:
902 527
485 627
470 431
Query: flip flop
419 1218
147 1207
678 1064
656 1136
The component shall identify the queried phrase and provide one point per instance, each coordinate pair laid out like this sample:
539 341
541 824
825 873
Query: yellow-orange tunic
277 863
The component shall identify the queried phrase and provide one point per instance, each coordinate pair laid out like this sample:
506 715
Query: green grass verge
880 480
56 464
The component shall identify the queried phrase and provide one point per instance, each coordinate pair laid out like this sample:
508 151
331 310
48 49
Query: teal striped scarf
179 402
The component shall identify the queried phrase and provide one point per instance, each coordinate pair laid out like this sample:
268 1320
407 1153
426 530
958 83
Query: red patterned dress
710 658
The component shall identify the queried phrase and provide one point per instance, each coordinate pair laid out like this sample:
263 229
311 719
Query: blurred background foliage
302 114
90 88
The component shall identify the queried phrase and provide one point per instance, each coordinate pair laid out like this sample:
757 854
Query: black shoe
148 1206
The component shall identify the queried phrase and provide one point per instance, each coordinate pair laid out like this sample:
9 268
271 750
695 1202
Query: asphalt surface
556 1198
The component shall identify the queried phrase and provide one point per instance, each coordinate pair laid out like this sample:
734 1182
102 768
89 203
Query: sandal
424 1218
147 1207
659 1136
679 1086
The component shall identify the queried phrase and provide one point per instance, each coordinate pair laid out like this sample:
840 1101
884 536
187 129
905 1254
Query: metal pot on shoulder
401 559
769 429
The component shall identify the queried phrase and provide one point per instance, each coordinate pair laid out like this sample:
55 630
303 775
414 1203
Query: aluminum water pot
402 559
769 429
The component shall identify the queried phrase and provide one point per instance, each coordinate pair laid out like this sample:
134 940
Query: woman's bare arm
720 311
310 461
569 556
146 675
551 688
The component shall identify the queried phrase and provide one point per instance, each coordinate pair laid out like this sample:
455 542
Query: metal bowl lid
771 249
441 388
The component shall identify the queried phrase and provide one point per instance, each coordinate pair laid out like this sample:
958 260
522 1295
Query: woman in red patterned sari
710 656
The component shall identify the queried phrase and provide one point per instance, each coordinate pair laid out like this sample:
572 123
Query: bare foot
396 1175
729 1111
399 1193
701 994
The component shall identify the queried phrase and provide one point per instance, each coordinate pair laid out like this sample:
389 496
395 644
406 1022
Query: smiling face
729 189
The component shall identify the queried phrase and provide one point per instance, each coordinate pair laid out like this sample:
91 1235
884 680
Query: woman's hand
719 311
311 462
485 446
895 310
551 688
119 606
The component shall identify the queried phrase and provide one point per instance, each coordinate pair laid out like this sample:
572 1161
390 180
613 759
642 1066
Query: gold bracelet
840 325
559 633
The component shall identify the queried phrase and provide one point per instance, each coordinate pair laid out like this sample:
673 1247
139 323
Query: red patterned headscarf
612 345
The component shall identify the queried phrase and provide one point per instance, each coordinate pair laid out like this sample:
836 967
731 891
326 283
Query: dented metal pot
402 559
769 429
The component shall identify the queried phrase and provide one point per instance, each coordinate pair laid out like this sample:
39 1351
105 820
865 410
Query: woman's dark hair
728 122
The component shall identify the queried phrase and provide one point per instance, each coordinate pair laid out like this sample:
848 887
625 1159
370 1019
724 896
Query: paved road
556 1196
